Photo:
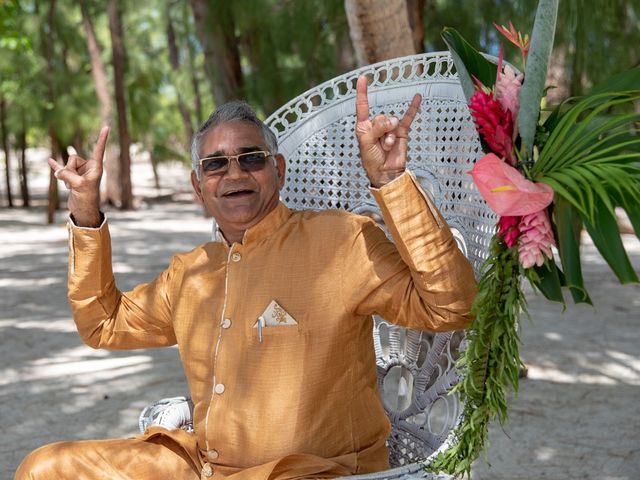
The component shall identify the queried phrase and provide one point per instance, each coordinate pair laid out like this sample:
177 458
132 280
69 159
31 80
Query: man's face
238 199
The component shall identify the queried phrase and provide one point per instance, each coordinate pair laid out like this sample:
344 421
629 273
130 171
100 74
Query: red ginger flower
495 125
536 239
508 229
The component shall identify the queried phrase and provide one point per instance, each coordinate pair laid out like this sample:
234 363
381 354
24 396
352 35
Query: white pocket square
275 316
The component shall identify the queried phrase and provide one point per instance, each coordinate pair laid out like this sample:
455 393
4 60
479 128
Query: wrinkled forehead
233 137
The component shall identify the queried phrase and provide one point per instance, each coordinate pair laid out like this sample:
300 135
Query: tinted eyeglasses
249 162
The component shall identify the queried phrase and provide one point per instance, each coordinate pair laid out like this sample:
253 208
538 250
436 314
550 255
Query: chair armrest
169 413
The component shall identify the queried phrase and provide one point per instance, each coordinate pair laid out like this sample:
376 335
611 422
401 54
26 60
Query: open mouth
237 193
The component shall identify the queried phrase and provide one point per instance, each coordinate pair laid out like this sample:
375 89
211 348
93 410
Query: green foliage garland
491 360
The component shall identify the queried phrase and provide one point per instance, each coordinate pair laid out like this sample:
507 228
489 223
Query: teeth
237 191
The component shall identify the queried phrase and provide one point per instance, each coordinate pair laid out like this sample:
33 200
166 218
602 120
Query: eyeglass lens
250 162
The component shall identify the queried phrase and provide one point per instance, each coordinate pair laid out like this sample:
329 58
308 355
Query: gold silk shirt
304 381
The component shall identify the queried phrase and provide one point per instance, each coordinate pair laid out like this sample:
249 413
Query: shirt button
207 470
219 389
226 323
236 257
213 454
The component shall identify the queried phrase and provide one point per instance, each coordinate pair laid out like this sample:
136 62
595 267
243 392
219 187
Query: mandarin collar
271 222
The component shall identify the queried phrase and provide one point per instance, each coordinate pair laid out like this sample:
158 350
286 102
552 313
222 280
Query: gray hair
234 111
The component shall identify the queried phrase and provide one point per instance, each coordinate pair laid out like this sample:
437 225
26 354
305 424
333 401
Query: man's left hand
383 140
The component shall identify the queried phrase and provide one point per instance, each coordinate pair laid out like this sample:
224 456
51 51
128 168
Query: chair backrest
316 135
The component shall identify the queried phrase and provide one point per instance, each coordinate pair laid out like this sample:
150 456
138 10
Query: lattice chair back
316 136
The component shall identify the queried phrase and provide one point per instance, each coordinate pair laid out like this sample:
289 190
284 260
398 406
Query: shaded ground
577 416
578 412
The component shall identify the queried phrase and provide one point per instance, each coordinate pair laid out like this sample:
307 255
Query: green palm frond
591 154
591 159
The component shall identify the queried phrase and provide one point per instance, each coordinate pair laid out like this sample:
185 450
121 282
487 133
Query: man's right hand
82 178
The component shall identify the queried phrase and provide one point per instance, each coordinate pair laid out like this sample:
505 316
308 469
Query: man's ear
196 185
281 167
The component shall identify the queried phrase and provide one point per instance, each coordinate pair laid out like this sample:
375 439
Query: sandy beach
577 415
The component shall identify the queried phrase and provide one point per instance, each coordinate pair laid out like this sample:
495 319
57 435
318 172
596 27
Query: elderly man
273 318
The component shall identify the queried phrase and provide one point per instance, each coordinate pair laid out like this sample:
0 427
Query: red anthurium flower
508 230
506 190
495 125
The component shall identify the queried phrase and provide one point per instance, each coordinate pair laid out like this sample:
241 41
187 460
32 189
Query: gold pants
153 456
158 455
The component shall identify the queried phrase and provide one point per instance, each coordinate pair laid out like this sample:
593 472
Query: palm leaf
549 280
582 126
606 237
627 80
569 224
592 153
585 185
586 136
632 207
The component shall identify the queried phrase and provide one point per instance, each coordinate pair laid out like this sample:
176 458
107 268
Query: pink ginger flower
495 124
508 229
507 88
536 239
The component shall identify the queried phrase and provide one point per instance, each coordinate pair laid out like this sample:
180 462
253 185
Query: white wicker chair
316 136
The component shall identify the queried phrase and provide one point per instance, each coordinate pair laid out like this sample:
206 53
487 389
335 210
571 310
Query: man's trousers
158 455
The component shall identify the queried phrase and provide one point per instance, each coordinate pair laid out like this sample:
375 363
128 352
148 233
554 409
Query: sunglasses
249 162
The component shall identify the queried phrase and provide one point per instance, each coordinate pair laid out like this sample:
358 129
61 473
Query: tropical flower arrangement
547 175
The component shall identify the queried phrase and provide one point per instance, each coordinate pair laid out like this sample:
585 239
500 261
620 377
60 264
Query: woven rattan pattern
316 135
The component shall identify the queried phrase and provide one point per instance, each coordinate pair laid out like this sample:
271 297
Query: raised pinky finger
55 166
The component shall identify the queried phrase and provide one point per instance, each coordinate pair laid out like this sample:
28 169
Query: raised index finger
98 150
362 102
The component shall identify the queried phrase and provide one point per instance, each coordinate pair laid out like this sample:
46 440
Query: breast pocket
275 321
285 334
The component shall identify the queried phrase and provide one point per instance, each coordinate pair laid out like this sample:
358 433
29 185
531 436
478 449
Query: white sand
577 415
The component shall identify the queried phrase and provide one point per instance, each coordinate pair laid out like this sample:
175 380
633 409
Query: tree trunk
262 58
195 84
118 50
5 148
53 199
557 77
216 29
22 143
78 142
345 54
154 169
175 65
195 78
415 9
99 73
379 29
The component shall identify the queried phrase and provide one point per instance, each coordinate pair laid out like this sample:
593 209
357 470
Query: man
273 319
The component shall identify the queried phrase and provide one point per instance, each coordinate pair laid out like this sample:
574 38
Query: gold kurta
265 393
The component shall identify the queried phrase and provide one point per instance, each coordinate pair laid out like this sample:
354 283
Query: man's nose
234 169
